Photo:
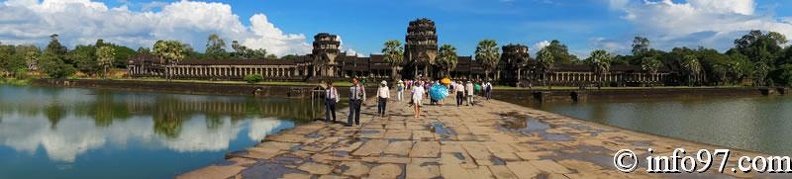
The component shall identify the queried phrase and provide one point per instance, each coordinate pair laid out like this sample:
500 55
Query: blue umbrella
438 92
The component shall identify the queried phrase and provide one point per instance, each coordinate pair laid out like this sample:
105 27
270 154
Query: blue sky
583 25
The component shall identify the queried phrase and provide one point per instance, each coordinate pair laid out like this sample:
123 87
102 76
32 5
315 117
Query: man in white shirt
459 89
469 90
383 94
357 94
331 99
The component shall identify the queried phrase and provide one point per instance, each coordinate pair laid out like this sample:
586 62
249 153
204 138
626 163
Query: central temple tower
325 51
420 48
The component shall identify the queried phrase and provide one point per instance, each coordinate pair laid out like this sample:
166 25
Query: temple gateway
328 62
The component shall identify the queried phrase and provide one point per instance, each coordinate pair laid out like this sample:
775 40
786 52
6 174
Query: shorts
417 102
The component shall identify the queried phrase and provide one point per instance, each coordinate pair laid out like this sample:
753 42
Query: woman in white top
383 94
417 96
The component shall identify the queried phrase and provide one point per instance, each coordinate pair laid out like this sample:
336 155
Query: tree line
95 60
759 57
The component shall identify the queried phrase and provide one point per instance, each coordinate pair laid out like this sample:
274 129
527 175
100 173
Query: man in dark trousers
357 94
331 99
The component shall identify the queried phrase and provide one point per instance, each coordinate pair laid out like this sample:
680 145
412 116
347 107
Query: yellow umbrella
445 81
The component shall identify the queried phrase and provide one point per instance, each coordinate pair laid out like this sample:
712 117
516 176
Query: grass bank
14 81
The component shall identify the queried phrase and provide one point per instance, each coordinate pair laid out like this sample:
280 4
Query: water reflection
69 123
752 123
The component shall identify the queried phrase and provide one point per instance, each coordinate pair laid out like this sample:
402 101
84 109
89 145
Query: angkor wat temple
327 61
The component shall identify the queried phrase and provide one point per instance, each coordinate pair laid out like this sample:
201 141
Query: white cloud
72 138
709 23
541 45
609 45
84 21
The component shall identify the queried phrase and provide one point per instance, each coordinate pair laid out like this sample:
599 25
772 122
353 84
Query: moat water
753 123
83 133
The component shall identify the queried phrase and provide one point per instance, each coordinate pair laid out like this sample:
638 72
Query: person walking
459 90
400 90
417 97
357 94
469 91
383 94
488 90
331 99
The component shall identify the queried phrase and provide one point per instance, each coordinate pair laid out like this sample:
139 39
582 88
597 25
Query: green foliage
254 78
54 66
54 47
488 53
393 53
105 57
242 52
546 61
169 51
600 62
640 45
215 47
650 65
561 53
447 58
84 57
782 75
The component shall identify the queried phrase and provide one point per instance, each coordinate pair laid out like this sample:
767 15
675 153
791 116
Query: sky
287 26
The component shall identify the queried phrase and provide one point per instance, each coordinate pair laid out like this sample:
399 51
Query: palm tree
105 57
692 67
215 47
487 53
600 62
447 58
169 52
393 53
546 62
650 65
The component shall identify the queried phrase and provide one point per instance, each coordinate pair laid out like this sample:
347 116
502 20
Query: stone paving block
419 171
422 135
270 145
502 172
287 137
212 171
500 148
397 134
580 166
480 173
345 147
507 156
296 176
549 166
523 169
354 169
534 155
452 171
316 168
372 147
387 159
385 171
425 149
399 148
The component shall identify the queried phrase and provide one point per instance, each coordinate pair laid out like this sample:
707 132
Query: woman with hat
383 94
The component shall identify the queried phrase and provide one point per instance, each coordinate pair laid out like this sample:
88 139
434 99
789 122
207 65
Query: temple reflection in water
69 123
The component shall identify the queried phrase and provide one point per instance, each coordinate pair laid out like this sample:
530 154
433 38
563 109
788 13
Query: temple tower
514 61
325 50
420 48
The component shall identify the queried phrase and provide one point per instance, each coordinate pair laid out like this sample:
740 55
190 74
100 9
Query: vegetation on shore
758 57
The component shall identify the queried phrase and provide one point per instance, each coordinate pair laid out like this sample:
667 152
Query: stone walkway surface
493 139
